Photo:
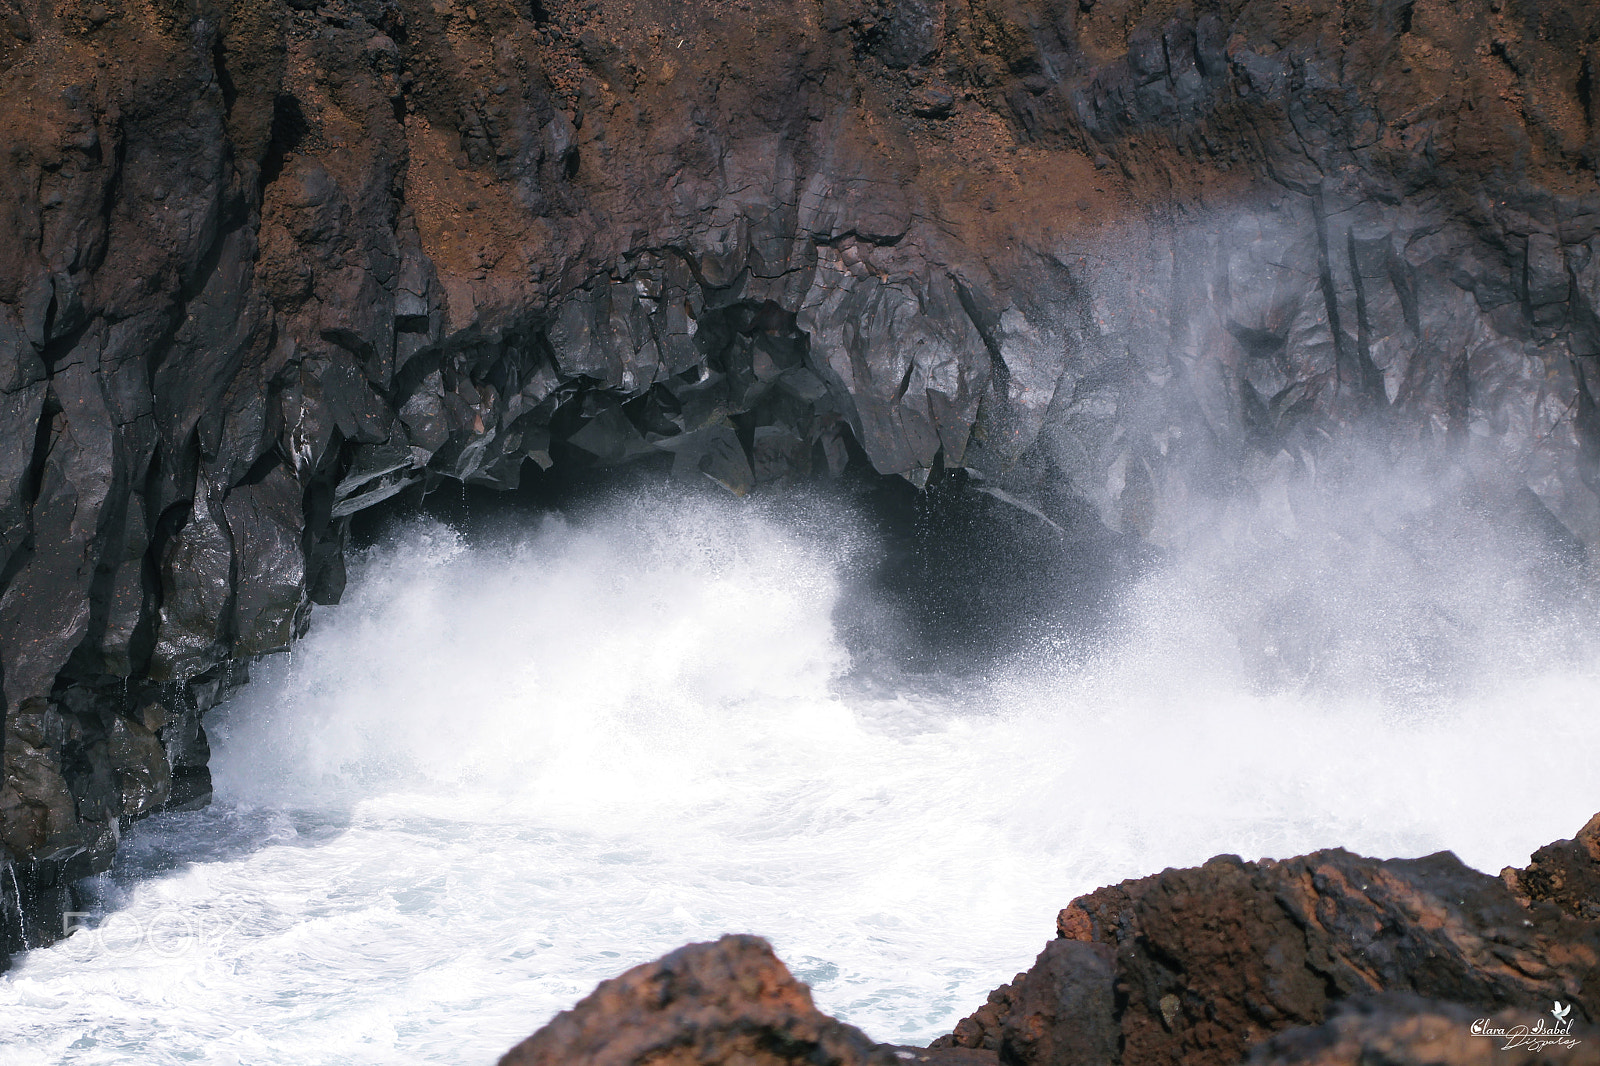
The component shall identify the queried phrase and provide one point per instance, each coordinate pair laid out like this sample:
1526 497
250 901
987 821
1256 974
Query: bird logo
1561 1012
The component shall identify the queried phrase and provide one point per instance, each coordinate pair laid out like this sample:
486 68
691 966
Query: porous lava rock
1565 873
1197 966
728 1003
266 264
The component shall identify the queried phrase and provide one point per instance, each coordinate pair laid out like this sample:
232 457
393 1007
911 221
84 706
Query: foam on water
501 772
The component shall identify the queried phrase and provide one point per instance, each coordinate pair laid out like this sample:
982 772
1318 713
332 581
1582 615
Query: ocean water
510 766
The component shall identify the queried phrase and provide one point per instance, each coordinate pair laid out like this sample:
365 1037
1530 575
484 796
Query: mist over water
510 766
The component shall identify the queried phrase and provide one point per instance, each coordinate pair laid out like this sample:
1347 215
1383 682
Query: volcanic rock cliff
265 264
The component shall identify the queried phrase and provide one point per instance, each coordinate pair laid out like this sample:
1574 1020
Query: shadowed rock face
264 265
1402 1030
1326 959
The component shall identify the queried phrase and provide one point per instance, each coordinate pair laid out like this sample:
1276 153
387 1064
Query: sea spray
507 768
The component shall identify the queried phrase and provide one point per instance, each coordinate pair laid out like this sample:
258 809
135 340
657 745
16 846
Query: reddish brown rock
1211 961
1060 1011
1566 873
1328 959
731 1003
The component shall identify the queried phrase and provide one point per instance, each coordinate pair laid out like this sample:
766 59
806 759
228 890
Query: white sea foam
501 772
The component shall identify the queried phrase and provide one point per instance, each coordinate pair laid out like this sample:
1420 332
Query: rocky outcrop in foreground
1197 966
1328 959
727 1003
1566 873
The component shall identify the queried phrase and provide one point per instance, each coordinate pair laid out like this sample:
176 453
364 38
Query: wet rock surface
1328 959
264 266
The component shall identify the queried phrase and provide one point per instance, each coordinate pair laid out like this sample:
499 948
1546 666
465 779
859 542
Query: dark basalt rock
263 266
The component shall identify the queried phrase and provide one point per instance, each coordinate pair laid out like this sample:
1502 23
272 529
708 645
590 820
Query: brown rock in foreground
1566 873
1196 966
731 1002
1328 959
